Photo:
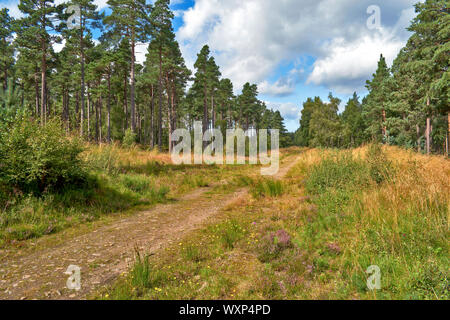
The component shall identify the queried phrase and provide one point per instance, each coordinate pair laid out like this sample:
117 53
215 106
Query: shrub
36 158
129 140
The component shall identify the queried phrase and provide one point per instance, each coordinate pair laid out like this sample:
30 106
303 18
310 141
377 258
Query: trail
106 252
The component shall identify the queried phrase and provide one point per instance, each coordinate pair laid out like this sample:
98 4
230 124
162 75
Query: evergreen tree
130 20
352 123
35 34
374 110
6 47
162 34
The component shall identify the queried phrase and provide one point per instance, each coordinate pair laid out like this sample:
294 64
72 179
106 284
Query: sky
292 49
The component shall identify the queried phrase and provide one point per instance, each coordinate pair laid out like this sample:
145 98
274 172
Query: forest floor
105 249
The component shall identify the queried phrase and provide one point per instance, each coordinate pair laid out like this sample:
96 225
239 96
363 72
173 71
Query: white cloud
348 64
288 110
284 86
12 6
57 47
14 11
141 51
251 38
279 88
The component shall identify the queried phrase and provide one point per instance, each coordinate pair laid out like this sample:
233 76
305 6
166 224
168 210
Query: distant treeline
96 87
408 104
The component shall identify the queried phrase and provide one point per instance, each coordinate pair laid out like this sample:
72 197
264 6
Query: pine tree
79 39
430 60
302 135
213 74
35 34
225 103
374 111
130 21
6 48
352 123
200 85
248 103
162 35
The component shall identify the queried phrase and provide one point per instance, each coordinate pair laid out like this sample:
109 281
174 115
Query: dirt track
106 252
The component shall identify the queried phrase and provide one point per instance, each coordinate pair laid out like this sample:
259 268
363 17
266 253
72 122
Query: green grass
387 208
119 180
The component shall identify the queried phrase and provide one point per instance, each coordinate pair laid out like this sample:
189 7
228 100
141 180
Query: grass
339 213
121 179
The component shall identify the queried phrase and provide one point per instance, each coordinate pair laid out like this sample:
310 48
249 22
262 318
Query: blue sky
292 49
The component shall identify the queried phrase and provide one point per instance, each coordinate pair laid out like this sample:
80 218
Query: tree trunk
97 133
448 133
173 106
36 89
384 125
132 84
43 84
100 118
77 106
125 103
428 130
418 138
109 108
152 128
213 113
88 114
83 86
43 67
169 113
160 102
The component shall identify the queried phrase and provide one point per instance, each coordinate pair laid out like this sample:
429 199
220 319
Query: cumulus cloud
288 110
12 6
14 11
251 38
284 86
348 64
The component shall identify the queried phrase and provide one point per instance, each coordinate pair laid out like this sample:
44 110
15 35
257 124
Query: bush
36 158
129 140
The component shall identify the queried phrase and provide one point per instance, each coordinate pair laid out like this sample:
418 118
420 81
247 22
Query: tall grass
388 210
266 188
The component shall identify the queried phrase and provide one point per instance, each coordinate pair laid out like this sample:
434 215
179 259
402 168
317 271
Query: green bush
36 158
129 140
